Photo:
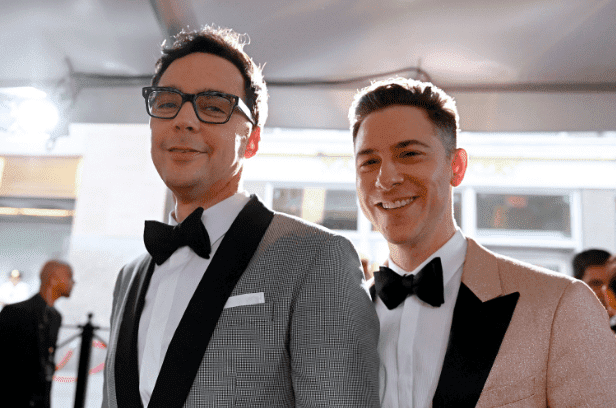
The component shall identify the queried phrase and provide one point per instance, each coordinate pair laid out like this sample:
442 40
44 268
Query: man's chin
397 237
180 184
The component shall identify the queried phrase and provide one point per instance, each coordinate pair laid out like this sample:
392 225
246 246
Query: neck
410 256
187 202
48 296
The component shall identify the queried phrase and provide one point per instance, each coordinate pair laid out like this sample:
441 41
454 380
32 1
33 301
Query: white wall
119 190
599 219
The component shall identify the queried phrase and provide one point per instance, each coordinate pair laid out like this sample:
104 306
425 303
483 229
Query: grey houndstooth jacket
312 343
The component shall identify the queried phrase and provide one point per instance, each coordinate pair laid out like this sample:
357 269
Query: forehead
198 72
65 270
386 128
600 272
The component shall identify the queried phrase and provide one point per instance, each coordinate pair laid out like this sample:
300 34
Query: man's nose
187 117
389 176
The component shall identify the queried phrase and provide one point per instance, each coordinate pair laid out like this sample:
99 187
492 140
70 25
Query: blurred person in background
234 305
597 268
612 285
28 336
14 290
366 266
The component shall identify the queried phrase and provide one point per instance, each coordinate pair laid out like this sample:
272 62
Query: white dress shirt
10 293
414 335
171 288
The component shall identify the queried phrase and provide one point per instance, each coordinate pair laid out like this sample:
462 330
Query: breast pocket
246 338
242 315
247 325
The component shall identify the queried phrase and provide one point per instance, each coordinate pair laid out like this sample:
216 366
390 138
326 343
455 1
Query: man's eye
368 163
211 108
410 154
166 105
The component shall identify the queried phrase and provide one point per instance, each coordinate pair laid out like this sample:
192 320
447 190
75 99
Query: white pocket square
245 299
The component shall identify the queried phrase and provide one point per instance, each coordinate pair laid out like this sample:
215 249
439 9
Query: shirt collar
218 218
452 255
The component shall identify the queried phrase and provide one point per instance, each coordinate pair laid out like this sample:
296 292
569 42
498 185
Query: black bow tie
427 285
162 240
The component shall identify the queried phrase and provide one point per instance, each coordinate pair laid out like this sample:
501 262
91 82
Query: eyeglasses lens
214 108
210 108
164 104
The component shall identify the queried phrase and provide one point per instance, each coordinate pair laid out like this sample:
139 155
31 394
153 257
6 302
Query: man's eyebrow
399 145
201 91
407 143
365 152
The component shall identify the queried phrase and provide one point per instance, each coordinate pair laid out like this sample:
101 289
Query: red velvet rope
68 355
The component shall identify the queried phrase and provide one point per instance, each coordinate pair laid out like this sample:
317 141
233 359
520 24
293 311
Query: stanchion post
87 335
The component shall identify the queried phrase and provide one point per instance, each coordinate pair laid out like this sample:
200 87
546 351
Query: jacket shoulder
525 275
531 281
513 271
27 304
290 224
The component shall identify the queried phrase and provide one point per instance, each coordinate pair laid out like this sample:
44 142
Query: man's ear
252 146
459 163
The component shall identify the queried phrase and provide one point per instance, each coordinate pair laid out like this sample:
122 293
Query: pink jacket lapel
480 320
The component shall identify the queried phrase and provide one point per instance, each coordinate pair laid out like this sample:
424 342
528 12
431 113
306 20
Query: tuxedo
28 335
522 336
280 319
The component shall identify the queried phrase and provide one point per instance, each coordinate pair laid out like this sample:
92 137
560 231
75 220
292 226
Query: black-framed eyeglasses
210 106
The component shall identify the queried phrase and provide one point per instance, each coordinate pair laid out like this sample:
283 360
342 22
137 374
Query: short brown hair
227 44
440 107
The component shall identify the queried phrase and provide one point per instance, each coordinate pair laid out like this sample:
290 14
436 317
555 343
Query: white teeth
396 204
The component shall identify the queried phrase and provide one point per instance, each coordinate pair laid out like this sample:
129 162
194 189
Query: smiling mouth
182 150
396 204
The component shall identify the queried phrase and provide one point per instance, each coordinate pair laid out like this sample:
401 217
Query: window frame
351 233
520 238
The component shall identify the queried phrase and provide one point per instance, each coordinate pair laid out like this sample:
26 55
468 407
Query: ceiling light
36 115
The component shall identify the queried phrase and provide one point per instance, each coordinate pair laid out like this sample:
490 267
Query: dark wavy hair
227 44
440 107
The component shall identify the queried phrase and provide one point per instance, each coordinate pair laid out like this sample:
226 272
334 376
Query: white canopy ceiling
512 66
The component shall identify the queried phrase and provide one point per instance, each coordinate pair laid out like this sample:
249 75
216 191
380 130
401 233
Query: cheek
438 185
362 193
362 185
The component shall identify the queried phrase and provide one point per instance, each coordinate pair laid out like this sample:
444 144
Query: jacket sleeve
119 285
10 332
334 333
582 358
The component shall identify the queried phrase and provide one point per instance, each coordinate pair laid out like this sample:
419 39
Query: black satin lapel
372 290
193 334
477 332
127 364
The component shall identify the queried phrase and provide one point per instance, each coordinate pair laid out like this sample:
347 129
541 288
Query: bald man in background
28 335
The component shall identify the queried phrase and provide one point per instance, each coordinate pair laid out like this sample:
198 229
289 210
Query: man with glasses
233 305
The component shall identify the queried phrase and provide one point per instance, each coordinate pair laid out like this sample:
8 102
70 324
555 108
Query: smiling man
462 326
234 305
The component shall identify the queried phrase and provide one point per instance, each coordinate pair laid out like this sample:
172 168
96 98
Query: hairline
213 90
438 132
